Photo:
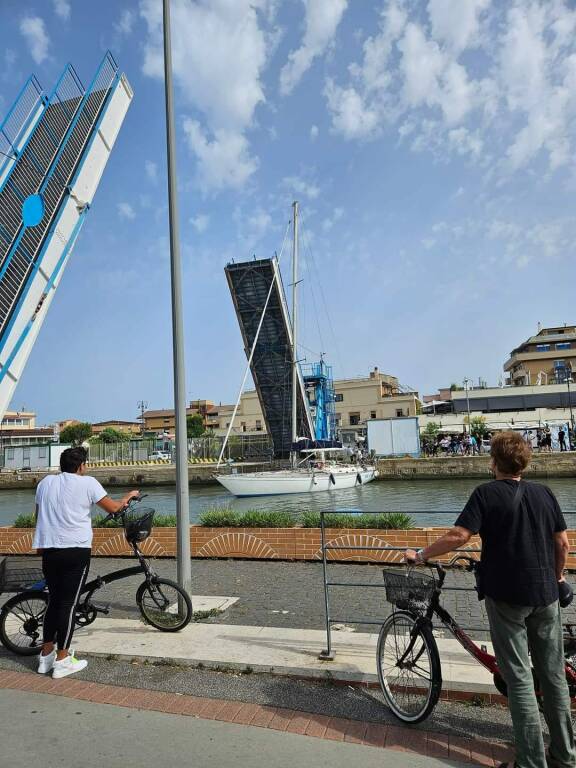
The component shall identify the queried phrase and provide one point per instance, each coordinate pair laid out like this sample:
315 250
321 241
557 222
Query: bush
160 521
25 521
224 517
385 521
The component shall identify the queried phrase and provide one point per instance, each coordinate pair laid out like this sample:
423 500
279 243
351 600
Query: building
129 427
17 420
23 436
33 457
376 396
162 421
505 407
547 358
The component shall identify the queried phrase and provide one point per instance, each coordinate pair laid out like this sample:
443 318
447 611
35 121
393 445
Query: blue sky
432 147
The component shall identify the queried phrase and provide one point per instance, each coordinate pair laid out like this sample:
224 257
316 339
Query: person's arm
561 549
113 506
453 539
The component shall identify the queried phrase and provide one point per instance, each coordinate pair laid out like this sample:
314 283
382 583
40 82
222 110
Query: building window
562 345
258 425
339 397
399 412
354 419
9 453
559 364
26 453
372 414
542 347
42 452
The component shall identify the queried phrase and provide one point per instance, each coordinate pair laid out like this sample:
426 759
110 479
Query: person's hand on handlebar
414 557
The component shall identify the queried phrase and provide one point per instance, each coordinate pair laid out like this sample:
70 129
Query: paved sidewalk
268 649
57 720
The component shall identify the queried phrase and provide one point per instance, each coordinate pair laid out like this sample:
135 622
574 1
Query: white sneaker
46 663
68 666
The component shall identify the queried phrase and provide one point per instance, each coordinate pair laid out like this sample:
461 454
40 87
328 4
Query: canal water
425 500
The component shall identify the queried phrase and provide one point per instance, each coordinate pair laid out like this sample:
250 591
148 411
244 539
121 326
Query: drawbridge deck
271 368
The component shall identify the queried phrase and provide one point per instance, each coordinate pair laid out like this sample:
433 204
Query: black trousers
65 571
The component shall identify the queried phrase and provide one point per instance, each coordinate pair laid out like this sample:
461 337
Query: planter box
259 543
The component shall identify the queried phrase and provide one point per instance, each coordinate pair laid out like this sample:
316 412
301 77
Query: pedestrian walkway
285 651
142 727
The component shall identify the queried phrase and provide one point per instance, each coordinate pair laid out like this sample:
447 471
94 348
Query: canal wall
542 465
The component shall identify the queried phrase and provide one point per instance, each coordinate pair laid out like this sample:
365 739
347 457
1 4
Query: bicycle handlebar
125 508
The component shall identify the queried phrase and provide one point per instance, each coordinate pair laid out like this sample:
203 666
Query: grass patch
385 521
25 521
224 517
202 615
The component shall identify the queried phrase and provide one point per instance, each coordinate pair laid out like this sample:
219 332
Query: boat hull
281 483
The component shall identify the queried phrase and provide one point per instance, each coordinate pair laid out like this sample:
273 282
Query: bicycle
162 603
407 656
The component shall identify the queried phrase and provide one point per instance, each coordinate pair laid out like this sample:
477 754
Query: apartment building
376 396
549 357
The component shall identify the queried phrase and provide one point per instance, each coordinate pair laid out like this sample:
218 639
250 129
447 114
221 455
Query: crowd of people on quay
541 439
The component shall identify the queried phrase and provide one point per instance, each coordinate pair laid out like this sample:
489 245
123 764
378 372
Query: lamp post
466 382
571 435
182 497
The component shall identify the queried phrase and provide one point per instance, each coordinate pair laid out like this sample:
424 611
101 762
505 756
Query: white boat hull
297 481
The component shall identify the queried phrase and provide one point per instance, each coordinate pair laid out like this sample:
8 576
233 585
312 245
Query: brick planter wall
257 543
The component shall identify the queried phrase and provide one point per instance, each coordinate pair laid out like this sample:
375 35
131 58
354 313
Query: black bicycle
162 603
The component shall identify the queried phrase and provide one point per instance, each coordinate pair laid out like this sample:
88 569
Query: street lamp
182 498
466 382
568 380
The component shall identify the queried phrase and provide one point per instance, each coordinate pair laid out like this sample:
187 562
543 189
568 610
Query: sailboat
270 337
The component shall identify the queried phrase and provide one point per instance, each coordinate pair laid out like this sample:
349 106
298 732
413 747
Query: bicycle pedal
101 607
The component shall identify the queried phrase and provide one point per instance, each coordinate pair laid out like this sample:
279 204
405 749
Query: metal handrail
327 653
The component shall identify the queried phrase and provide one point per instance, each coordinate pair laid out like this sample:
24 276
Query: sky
431 145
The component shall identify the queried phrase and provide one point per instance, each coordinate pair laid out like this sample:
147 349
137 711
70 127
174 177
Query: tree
431 430
194 425
111 435
455 388
478 427
76 434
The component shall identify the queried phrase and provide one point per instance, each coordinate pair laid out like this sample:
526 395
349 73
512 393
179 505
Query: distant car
25 469
160 455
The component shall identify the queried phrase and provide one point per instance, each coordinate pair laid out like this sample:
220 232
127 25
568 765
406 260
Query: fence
326 547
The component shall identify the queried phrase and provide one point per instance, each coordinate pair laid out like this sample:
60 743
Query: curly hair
510 452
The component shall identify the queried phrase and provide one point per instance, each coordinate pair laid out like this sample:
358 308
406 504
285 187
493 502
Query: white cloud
321 23
299 187
224 159
125 24
151 169
200 222
34 32
126 212
329 222
513 99
456 23
62 8
314 132
220 51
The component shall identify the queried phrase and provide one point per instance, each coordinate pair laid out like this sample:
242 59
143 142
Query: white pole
182 499
294 333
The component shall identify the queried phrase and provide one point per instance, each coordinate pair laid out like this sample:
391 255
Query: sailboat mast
294 333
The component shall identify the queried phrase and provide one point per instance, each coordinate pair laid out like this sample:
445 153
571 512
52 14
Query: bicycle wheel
408 667
164 605
21 621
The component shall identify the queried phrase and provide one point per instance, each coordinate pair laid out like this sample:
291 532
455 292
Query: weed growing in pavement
201 615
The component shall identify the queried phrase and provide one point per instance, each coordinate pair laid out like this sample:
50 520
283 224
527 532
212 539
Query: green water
424 499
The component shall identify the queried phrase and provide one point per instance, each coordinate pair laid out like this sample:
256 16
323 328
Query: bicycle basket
20 573
138 524
408 586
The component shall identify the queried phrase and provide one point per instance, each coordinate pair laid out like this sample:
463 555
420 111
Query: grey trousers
517 631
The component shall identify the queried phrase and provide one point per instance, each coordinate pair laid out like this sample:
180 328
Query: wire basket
138 524
18 574
408 586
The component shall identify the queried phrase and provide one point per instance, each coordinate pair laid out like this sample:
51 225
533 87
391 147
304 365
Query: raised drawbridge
53 150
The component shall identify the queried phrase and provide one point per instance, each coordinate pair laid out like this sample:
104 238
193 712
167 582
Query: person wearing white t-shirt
64 537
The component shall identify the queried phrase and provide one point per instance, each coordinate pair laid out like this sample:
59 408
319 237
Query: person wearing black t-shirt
524 553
